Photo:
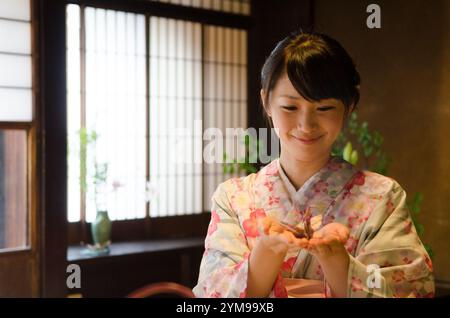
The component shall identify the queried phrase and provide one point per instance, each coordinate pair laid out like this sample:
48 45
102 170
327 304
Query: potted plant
101 226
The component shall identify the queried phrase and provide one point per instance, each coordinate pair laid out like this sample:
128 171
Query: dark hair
317 66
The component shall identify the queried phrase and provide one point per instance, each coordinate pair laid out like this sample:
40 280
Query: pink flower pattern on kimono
389 207
213 224
407 226
279 290
287 265
398 276
269 186
428 262
358 179
406 260
273 200
351 244
251 225
427 295
355 219
321 186
386 264
271 170
319 271
356 284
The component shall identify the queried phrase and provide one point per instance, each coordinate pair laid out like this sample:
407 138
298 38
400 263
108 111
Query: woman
364 243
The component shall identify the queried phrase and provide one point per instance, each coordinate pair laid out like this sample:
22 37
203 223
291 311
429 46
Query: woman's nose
307 122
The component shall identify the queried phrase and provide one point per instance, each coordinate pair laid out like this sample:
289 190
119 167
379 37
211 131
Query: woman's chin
308 154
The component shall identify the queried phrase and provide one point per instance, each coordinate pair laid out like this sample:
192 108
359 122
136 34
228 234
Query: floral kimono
382 242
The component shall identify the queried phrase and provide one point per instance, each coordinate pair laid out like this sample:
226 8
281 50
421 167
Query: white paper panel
15 37
225 96
15 71
115 107
175 97
15 9
73 111
16 105
115 71
15 61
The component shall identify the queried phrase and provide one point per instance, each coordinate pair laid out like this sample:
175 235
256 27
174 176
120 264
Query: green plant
88 141
249 163
414 207
358 139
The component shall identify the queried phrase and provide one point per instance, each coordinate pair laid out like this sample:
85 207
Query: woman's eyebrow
290 96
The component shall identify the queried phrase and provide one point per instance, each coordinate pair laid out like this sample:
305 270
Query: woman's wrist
264 265
335 269
271 246
333 258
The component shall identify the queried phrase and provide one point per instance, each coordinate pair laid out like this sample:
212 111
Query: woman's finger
344 233
301 242
289 236
323 248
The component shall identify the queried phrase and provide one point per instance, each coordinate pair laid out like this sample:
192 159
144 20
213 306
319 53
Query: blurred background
103 105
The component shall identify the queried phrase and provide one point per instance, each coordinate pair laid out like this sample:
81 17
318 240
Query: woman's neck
299 171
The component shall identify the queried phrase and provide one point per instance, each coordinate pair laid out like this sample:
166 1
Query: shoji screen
16 114
197 79
15 61
232 6
225 95
108 98
175 106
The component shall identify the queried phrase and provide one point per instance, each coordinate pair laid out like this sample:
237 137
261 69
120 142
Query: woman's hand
268 254
329 241
276 237
327 245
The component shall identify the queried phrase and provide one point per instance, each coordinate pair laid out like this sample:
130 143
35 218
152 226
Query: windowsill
118 249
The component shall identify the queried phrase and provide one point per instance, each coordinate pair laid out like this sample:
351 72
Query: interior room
119 119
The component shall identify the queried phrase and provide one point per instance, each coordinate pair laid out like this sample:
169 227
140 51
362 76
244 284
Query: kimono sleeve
390 260
224 266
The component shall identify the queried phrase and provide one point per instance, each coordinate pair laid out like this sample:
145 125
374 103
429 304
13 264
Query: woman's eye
324 109
289 108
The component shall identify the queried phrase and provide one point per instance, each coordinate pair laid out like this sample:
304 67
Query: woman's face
307 130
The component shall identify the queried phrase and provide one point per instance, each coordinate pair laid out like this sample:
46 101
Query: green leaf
347 151
368 151
429 250
354 157
420 229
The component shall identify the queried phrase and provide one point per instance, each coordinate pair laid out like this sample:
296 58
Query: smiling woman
309 87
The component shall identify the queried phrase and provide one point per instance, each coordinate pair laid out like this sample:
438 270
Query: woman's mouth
307 141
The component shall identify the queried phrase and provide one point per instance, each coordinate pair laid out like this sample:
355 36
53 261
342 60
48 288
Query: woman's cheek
280 126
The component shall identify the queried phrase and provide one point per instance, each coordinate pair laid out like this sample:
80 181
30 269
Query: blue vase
101 230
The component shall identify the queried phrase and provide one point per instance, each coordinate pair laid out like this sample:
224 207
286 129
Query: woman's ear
263 99
351 109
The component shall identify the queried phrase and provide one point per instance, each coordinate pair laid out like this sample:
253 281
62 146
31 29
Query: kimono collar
317 193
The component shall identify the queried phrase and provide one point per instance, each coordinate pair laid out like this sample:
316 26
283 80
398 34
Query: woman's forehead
285 90
284 87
